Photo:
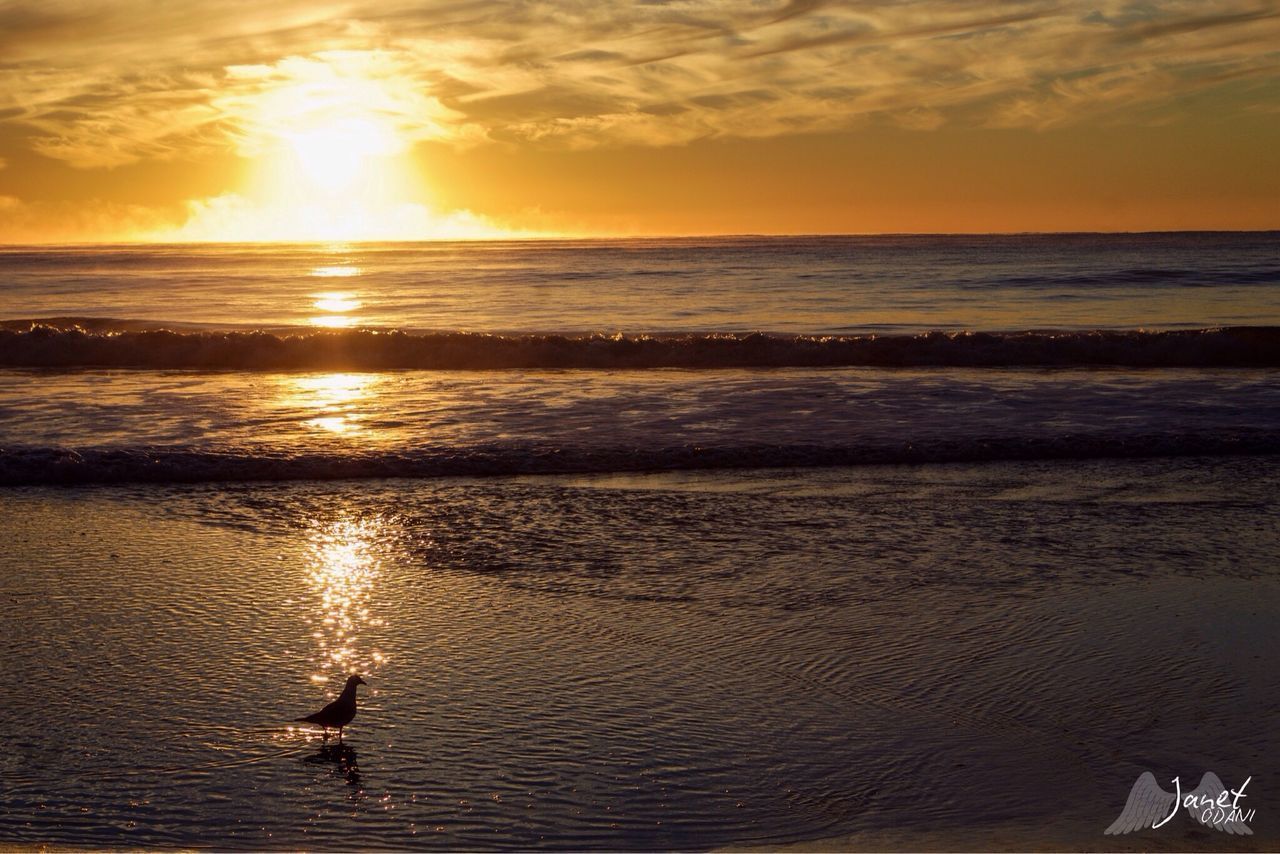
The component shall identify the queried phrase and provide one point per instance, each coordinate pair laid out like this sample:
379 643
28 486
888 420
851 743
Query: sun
334 157
333 166
328 146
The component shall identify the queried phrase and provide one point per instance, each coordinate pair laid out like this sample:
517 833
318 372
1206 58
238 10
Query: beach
885 543
980 656
667 426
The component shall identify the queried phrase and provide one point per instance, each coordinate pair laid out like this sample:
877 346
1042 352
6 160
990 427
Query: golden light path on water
337 305
336 302
333 398
337 271
343 569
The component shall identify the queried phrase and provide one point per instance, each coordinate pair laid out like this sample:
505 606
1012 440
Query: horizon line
549 238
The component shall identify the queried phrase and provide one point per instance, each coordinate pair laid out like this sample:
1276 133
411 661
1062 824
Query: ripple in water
343 570
685 661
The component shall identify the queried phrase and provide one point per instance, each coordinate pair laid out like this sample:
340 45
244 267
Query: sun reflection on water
332 399
334 321
336 301
343 568
336 305
336 271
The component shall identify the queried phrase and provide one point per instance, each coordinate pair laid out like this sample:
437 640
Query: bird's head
355 680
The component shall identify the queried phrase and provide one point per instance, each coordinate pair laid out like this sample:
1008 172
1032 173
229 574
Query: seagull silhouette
340 712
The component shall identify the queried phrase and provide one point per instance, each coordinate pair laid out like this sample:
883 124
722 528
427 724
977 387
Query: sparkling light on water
338 271
338 304
332 400
334 321
337 301
343 570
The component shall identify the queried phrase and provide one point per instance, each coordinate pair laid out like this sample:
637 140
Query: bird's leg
339 735
326 733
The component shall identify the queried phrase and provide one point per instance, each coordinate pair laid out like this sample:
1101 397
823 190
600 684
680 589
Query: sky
186 120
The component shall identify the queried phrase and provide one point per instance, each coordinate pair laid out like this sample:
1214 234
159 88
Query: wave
1144 277
35 344
44 466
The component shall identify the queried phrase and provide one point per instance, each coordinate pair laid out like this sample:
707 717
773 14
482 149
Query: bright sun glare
329 159
333 168
335 157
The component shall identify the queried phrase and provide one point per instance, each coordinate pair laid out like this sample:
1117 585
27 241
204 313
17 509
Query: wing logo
1211 803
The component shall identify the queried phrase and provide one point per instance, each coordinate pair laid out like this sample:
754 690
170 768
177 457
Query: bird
338 713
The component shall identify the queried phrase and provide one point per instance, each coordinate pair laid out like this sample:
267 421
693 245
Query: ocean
907 541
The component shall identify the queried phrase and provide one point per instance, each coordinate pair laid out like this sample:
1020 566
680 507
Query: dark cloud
1139 32
796 9
557 102
867 34
23 23
591 56
733 100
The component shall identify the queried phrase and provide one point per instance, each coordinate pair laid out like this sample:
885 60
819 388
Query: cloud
98 83
232 217
1195 24
267 102
236 218
97 221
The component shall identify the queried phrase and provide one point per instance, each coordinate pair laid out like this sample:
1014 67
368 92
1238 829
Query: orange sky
477 118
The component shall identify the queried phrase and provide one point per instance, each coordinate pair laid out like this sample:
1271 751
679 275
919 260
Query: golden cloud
99 84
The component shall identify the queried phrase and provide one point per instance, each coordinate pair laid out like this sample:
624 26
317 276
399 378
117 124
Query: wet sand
901 658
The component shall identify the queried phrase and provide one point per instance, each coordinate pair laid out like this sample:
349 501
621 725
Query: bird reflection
343 759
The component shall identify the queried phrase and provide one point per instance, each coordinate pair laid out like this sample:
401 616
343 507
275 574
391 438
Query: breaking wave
37 466
116 344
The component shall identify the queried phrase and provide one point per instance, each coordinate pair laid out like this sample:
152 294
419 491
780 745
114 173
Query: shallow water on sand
687 660
116 425
315 412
